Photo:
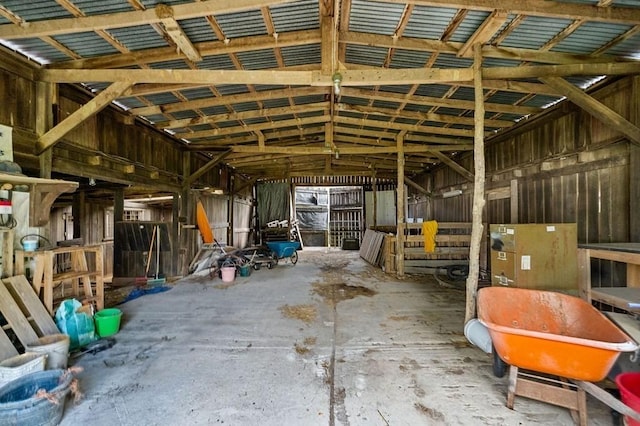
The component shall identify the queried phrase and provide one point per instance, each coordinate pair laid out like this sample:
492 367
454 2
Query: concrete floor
273 349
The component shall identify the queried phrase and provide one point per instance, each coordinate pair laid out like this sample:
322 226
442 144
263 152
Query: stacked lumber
370 249
27 318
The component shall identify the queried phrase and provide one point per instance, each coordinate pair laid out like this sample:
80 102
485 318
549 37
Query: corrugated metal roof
374 17
243 24
369 20
300 15
589 37
429 22
534 31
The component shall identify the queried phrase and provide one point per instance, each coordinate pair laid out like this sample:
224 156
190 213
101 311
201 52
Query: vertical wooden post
187 214
230 210
400 207
477 232
46 98
118 213
374 183
514 201
634 167
174 238
77 212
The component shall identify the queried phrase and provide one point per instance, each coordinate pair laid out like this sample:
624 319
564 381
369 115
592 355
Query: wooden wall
563 167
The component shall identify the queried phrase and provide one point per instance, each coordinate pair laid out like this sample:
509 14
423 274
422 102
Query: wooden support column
514 201
477 231
175 235
46 98
118 213
187 215
230 207
375 200
400 207
77 212
634 166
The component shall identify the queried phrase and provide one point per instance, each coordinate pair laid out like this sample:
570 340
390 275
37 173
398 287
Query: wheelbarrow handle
608 399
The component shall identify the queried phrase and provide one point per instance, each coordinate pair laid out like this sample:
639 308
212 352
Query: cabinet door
503 268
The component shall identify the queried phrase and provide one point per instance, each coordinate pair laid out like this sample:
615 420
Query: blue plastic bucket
20 406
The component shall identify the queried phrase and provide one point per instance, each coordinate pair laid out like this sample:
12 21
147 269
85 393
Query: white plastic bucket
30 244
56 346
478 334
20 365
228 273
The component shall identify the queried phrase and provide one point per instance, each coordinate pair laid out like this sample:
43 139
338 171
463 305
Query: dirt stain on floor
306 313
337 292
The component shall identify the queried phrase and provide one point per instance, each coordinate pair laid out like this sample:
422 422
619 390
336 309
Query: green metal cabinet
536 256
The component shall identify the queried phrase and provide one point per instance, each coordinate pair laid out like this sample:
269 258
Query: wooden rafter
596 108
167 17
455 166
89 109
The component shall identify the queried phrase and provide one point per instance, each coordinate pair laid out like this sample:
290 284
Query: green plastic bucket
245 270
107 321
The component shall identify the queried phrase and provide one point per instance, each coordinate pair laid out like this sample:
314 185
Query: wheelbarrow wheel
499 366
294 257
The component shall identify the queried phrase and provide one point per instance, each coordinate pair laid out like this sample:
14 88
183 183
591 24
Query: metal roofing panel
87 44
139 37
375 17
180 115
629 48
276 103
447 60
464 94
232 89
256 120
300 15
471 22
309 99
385 104
215 110
36 10
301 55
507 98
366 55
216 62
409 59
162 98
168 65
258 59
432 90
540 101
589 37
533 32
242 24
196 93
129 103
395 89
198 30
37 50
429 22
403 120
245 106
95 7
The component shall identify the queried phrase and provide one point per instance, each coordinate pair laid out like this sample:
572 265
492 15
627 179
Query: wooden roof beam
455 166
596 108
204 169
149 16
174 31
95 105
485 31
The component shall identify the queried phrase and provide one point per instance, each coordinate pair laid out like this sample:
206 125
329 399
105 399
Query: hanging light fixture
337 80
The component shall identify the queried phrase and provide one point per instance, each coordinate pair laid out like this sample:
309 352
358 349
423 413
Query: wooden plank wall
568 167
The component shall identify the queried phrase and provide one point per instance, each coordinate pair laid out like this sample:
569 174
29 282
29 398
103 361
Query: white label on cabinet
551 228
502 255
525 263
511 231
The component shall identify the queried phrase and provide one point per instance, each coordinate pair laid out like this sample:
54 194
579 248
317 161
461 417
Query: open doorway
330 216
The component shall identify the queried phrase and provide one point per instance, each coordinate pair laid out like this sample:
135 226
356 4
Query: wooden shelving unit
46 276
626 298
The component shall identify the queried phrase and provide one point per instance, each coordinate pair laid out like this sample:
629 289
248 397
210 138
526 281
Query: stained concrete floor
274 349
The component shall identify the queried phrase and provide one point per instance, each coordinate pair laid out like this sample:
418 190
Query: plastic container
245 270
629 386
30 244
20 406
56 346
108 321
20 365
228 273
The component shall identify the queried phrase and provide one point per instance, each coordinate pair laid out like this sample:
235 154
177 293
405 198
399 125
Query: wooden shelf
43 192
619 297
79 273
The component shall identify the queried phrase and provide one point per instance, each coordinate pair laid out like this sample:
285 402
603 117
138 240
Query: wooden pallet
25 315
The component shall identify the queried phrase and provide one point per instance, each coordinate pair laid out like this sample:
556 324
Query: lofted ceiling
312 87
